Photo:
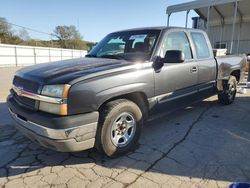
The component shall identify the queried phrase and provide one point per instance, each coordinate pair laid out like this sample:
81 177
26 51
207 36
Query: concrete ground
204 145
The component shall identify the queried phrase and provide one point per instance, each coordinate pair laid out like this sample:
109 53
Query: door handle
193 69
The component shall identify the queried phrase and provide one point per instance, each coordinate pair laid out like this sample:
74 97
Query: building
227 22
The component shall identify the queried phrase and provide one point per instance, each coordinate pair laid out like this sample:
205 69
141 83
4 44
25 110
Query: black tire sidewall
223 96
107 145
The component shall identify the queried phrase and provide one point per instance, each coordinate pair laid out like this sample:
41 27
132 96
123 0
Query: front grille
29 86
24 101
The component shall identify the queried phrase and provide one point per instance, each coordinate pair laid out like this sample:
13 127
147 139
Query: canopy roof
220 10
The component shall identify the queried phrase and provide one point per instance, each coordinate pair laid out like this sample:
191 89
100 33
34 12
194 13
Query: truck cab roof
157 28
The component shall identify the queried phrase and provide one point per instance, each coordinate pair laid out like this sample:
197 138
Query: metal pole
168 20
187 13
235 14
239 36
49 56
248 79
222 31
208 19
51 39
34 50
16 56
61 54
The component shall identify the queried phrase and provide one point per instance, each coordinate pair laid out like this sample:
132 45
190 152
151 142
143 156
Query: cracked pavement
203 145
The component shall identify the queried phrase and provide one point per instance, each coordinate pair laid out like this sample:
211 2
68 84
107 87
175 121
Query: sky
96 18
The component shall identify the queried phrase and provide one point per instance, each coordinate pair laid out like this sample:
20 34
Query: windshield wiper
110 56
105 56
90 55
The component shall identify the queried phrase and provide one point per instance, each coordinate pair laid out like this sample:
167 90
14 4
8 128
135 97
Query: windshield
129 45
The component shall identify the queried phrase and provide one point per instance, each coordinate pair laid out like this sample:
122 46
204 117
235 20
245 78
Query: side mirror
174 56
171 56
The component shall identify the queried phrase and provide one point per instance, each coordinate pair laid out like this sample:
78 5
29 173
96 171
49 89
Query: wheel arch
223 81
139 98
236 73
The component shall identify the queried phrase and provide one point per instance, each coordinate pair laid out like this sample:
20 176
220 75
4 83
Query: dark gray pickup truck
103 100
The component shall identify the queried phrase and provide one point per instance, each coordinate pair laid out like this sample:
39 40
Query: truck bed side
230 65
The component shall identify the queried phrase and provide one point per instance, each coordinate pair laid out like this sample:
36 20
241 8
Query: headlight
58 92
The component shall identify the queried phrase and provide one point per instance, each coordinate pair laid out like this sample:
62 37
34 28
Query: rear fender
225 70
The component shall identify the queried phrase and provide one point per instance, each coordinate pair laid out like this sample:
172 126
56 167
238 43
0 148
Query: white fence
16 55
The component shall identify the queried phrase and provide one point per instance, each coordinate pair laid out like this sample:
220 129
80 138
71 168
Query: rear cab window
201 46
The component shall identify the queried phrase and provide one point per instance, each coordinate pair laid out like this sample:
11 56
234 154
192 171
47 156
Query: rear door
176 80
207 67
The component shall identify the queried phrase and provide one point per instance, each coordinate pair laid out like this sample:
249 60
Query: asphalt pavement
203 145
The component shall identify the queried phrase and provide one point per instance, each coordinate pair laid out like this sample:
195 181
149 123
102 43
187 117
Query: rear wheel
228 94
119 127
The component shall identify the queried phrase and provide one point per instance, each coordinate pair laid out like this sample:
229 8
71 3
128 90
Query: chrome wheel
231 91
123 129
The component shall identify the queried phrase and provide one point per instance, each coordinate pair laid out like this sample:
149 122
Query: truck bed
228 63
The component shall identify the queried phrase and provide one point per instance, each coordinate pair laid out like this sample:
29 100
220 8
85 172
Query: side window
176 41
200 45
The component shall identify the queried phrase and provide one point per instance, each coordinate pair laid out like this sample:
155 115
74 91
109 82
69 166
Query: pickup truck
104 99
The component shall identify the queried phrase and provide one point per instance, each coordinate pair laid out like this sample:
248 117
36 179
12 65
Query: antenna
78 28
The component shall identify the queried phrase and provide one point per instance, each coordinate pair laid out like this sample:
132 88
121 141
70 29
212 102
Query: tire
114 137
228 94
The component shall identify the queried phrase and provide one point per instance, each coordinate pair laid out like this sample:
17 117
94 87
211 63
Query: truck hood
63 72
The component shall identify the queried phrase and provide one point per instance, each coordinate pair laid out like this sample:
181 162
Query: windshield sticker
141 37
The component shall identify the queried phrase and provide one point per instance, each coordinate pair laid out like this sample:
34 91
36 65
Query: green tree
70 37
67 32
24 35
5 30
6 34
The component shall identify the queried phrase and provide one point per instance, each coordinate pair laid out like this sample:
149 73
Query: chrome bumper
66 140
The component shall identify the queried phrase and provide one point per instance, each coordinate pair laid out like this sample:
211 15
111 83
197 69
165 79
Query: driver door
176 81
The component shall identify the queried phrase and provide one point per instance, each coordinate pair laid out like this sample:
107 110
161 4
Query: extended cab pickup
103 100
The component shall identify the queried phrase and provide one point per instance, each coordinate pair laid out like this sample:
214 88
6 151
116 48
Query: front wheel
228 94
119 127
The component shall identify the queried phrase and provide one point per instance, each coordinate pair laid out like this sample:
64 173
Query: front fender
87 96
110 93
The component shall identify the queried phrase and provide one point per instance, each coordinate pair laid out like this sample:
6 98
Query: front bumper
66 134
